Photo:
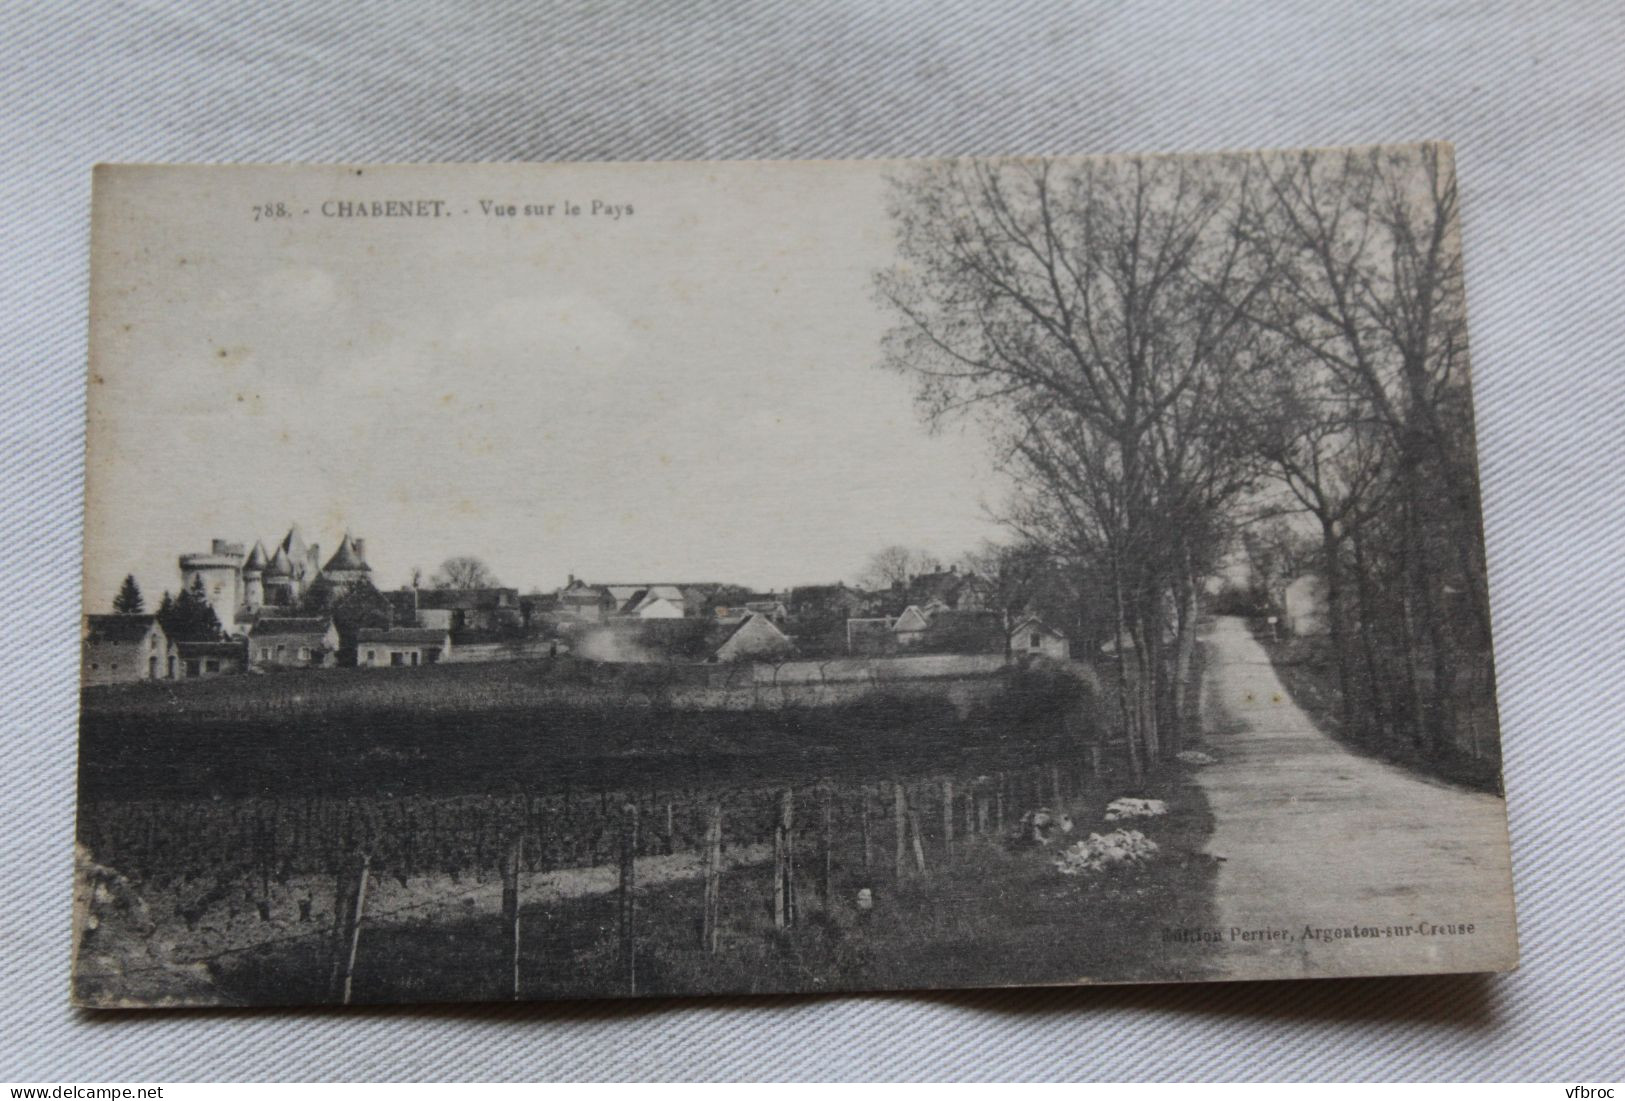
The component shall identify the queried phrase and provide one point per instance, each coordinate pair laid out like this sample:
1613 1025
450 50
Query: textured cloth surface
1534 96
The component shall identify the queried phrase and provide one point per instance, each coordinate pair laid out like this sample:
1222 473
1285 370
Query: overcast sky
687 392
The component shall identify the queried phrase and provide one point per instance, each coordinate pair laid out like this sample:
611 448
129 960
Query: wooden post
919 848
629 854
713 880
510 900
970 812
900 817
1094 759
947 821
352 935
1055 783
863 822
784 863
671 838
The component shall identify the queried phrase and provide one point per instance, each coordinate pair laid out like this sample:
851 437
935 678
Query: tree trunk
1130 727
1332 550
1184 650
1145 670
1408 589
1376 720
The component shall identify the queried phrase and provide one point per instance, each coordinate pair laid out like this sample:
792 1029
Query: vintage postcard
593 580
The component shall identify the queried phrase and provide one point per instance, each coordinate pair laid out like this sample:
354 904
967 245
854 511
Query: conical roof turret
294 543
281 564
256 558
346 557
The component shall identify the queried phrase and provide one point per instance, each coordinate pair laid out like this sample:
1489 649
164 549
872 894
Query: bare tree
1324 449
1367 283
1089 315
463 572
895 565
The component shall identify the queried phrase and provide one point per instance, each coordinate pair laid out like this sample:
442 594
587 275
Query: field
524 804
994 912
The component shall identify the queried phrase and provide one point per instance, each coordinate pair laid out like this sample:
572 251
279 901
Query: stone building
378 647
207 659
1032 636
121 648
293 642
240 583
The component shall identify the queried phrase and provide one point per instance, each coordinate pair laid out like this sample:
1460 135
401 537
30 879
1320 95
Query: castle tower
278 580
304 561
348 565
220 573
254 577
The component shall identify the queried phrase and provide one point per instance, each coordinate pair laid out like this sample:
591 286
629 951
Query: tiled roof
1032 622
468 599
290 625
402 635
209 649
120 628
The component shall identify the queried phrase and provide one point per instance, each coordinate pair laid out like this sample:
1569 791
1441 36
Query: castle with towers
240 583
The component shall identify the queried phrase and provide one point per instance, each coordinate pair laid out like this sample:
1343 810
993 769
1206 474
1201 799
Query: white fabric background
1534 96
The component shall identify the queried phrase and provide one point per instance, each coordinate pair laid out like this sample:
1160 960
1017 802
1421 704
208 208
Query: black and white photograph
552 581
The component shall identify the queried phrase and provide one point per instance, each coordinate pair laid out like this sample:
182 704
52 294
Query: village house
380 647
947 588
771 607
910 627
537 609
589 603
1032 636
836 601
756 638
697 597
293 642
653 602
208 659
594 603
485 610
119 648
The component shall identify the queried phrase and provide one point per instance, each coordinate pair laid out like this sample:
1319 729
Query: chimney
360 548
571 583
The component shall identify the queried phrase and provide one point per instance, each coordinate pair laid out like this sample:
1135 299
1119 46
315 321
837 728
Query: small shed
910 627
1033 636
208 659
378 647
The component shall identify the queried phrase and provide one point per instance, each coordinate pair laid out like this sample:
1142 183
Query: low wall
519 650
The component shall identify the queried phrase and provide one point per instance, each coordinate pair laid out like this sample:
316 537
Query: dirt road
1403 875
